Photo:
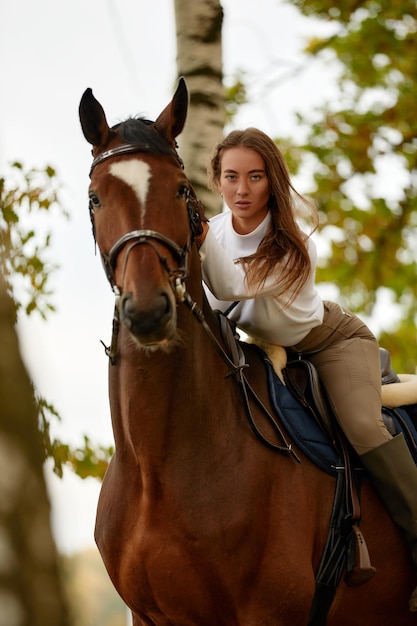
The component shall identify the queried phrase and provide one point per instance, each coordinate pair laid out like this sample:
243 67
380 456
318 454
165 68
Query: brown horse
198 523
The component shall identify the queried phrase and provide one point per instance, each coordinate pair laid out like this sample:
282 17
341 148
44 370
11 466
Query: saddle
302 380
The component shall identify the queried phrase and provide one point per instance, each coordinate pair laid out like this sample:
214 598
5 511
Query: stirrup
362 571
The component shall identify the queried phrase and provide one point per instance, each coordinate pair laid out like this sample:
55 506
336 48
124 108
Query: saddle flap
302 380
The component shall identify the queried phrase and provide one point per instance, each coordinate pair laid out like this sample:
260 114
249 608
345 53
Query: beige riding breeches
346 356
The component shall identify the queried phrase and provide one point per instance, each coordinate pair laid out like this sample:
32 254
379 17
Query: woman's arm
224 277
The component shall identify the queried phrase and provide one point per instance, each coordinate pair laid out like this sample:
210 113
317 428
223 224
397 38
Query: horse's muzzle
150 325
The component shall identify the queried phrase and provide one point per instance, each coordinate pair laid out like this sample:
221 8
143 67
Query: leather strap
345 547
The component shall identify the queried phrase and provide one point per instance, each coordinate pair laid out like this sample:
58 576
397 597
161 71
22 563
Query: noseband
147 236
137 237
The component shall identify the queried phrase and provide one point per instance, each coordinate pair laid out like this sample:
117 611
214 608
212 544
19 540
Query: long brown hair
284 241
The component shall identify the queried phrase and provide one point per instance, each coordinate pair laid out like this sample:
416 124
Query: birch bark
199 61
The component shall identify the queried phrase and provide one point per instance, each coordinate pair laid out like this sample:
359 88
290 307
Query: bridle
235 360
176 276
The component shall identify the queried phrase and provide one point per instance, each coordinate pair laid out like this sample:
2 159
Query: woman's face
245 187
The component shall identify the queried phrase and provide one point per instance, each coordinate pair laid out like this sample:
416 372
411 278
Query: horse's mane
141 132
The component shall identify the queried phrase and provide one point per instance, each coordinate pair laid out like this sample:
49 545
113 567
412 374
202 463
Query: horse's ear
172 119
93 120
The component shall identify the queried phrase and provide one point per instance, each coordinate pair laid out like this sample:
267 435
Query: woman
256 254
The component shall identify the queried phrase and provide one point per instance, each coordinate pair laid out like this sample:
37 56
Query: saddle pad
300 425
306 433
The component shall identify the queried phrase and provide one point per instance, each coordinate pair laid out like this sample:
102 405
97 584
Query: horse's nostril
144 319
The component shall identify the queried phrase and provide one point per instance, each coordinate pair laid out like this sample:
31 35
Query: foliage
89 460
23 252
25 266
235 95
362 151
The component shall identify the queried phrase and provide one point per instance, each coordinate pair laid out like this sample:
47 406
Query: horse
198 522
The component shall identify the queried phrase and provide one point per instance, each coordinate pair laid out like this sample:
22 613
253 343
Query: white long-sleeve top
260 313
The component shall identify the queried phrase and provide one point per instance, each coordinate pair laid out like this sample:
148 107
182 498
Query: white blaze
136 174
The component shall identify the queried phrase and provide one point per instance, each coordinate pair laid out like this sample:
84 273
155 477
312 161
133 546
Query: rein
177 277
237 364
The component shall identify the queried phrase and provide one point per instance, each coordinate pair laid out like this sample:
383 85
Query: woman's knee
365 433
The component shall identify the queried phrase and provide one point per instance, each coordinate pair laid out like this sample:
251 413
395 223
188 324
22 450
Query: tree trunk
30 589
199 61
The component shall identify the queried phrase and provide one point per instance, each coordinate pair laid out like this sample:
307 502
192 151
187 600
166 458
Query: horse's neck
162 397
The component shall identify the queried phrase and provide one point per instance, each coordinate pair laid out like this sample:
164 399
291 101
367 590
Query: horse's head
144 214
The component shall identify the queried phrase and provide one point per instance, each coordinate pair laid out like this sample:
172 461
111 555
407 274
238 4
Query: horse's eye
94 201
183 191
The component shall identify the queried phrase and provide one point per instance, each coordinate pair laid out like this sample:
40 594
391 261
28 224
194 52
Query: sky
50 52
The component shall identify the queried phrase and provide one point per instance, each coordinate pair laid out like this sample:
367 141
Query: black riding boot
394 476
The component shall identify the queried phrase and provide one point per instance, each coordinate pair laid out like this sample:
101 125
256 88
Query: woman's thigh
346 356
